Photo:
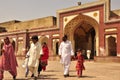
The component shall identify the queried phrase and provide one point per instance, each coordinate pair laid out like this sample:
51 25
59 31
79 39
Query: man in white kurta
34 54
65 52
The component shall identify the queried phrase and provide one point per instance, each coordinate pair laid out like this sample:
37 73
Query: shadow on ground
47 77
83 76
52 71
88 77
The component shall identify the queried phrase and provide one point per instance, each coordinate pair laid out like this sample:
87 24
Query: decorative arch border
78 20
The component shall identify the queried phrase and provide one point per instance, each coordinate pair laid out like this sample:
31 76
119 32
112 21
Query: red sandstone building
92 26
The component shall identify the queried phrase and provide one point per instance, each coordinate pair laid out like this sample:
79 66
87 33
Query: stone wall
45 22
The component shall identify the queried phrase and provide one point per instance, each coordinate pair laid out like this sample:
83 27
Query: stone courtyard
94 71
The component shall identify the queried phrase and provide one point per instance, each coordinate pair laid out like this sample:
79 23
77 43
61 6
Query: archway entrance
84 37
83 32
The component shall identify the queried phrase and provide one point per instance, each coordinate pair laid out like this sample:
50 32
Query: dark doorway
112 46
84 37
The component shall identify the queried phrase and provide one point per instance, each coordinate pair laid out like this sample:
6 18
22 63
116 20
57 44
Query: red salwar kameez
8 61
80 65
44 59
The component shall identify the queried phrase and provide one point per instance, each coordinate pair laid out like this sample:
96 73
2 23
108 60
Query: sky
24 10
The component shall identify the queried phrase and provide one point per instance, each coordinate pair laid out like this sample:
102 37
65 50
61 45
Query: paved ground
94 71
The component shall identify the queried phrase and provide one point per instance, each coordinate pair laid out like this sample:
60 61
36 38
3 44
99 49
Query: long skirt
1 69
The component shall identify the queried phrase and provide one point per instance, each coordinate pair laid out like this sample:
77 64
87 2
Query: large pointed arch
77 21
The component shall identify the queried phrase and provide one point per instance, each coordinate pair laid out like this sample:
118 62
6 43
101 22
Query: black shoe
35 78
38 74
14 77
26 75
32 75
67 75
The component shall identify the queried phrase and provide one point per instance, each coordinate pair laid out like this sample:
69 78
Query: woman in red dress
80 63
44 58
8 59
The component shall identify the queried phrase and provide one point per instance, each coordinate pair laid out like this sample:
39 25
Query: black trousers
39 68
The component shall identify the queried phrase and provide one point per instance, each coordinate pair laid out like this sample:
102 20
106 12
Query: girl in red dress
80 63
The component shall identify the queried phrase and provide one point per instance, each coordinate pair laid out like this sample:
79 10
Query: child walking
80 63
25 65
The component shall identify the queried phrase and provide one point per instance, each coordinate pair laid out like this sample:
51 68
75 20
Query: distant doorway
111 46
84 37
55 46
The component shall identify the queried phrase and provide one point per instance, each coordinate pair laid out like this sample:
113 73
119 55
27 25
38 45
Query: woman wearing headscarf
9 62
44 58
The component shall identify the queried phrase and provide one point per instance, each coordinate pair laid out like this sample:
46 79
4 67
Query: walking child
25 65
80 63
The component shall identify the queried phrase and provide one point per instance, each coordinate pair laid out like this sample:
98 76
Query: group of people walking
37 58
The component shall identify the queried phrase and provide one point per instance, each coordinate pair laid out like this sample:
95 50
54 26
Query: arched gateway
83 33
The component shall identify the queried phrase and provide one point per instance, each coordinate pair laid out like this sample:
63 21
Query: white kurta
66 51
34 54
